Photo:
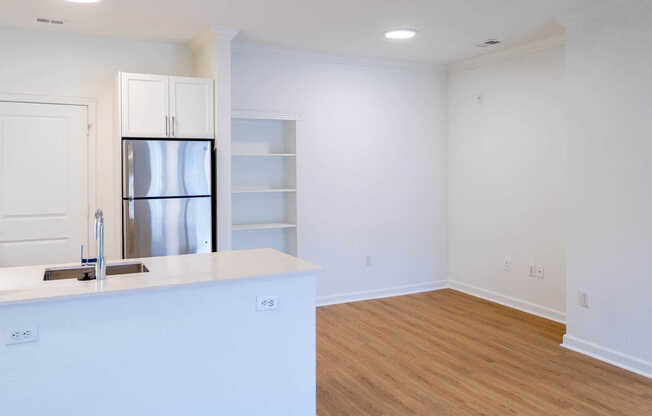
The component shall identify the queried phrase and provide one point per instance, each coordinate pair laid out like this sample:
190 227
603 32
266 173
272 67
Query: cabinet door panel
191 108
144 105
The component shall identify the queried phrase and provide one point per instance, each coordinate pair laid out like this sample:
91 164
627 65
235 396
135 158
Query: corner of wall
511 302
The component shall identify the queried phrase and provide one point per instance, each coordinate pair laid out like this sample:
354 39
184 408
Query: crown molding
210 35
330 58
225 33
506 54
200 40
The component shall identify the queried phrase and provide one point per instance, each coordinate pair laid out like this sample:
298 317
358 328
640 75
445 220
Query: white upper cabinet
191 108
144 105
163 106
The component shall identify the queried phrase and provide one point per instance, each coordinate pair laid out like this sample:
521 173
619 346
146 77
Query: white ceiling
447 29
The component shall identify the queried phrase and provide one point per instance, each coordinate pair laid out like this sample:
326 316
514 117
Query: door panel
155 168
43 183
167 227
191 108
144 105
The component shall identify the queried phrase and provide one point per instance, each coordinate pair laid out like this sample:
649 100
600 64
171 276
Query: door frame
91 148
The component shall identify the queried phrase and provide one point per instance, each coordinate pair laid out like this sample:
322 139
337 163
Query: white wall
610 168
507 176
53 64
371 164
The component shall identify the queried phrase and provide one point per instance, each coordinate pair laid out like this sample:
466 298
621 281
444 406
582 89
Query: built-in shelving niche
264 182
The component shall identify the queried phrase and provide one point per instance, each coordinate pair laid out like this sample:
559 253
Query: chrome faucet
100 266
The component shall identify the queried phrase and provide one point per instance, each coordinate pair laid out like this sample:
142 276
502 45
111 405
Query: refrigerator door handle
130 171
128 225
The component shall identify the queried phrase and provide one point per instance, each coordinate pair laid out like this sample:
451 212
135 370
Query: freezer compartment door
164 168
167 227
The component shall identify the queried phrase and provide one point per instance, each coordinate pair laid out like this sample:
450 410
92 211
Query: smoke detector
489 42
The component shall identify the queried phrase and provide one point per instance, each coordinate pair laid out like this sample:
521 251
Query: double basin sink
87 272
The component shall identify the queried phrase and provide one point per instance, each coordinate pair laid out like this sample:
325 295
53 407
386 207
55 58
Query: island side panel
198 350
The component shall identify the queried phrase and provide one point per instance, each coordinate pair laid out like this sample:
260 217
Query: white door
43 183
191 108
144 105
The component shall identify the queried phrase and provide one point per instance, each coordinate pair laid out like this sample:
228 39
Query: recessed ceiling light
400 34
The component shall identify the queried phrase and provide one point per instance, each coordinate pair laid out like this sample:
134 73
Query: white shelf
269 226
264 180
264 154
237 190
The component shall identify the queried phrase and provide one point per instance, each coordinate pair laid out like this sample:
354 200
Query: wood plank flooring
447 353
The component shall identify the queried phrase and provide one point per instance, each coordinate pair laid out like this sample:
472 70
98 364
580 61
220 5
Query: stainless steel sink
125 268
79 272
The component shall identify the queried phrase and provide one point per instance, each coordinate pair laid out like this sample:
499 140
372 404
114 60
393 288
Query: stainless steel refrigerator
166 197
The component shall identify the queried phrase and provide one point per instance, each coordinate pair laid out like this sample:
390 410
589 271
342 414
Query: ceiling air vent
490 42
49 21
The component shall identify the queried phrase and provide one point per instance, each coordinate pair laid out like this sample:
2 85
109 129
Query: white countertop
26 284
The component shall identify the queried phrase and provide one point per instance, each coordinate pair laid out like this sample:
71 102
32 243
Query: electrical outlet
540 272
266 303
532 271
21 335
583 299
507 266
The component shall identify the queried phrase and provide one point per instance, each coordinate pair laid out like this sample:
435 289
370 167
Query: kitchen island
190 336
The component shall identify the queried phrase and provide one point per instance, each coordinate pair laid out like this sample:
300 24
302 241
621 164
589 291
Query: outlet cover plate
583 299
21 335
507 266
266 303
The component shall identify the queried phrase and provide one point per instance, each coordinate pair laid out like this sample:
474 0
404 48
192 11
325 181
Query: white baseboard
633 364
381 293
509 301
